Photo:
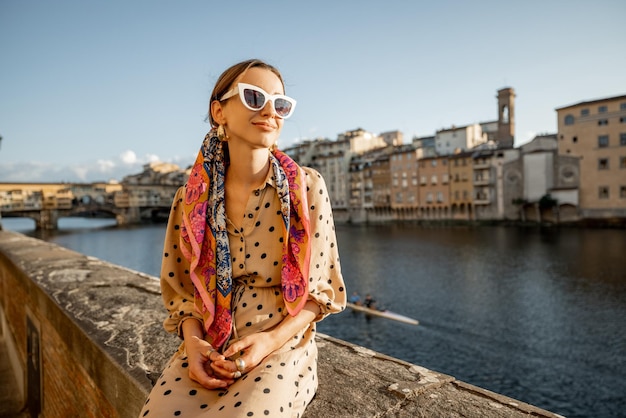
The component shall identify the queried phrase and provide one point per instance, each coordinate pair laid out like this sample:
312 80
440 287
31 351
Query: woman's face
257 129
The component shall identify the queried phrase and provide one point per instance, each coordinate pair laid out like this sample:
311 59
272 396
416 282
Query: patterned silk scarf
204 238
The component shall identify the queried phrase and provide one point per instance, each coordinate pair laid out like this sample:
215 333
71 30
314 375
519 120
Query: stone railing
84 338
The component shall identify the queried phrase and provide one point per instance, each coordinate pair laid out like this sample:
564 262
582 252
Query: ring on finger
237 374
241 364
209 352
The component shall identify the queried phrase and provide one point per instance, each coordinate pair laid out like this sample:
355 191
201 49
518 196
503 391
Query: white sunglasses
255 98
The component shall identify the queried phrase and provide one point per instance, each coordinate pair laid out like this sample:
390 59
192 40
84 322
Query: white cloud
105 166
128 157
80 172
87 171
151 158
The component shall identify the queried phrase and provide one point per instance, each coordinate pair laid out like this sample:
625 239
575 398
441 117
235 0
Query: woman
250 263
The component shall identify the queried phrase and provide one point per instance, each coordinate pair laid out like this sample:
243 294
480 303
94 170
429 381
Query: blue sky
91 90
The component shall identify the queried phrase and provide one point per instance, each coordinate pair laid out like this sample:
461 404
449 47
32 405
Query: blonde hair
230 75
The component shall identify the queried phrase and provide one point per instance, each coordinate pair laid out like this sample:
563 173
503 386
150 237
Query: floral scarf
204 238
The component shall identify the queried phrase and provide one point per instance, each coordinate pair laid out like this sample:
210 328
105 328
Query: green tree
547 202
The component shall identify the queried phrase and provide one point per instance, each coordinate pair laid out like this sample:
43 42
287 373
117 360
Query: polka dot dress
285 382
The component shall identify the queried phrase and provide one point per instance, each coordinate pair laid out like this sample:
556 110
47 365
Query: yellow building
595 131
434 188
404 182
381 176
461 186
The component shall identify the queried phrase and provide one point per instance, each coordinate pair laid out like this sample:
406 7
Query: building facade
404 182
459 139
461 186
434 187
595 132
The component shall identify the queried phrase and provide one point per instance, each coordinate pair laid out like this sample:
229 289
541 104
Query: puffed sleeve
177 289
326 286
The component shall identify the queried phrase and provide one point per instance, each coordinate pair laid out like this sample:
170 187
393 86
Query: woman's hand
252 349
201 357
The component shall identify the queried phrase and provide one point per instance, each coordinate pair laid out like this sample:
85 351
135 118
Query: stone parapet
85 338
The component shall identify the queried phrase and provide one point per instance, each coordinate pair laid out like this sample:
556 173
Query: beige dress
285 382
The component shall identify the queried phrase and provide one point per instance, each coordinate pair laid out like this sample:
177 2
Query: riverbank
600 223
612 223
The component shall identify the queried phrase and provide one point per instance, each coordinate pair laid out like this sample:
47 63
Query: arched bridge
47 203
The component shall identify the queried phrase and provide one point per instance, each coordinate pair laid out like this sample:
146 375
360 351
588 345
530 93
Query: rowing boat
385 314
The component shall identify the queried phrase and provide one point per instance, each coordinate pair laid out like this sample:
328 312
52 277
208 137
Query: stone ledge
109 319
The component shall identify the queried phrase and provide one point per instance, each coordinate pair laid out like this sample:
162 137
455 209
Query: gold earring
221 133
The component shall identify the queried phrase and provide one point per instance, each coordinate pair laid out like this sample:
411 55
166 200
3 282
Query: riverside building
595 132
473 172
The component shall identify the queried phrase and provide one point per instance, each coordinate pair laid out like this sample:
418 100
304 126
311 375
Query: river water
535 314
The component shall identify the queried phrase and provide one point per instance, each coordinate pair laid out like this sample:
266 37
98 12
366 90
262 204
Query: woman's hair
228 77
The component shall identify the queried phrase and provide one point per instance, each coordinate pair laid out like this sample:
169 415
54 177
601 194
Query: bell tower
506 118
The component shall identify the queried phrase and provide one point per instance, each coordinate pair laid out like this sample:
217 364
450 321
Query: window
433 179
505 114
429 197
439 197
512 176
444 179
603 192
433 163
568 173
584 112
622 162
622 139
603 141
603 122
569 119
602 109
603 164
575 139
456 195
622 192
622 106
423 180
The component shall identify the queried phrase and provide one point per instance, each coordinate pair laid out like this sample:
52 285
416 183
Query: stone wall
85 339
